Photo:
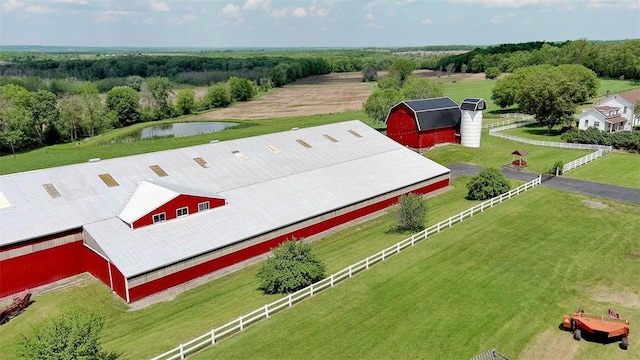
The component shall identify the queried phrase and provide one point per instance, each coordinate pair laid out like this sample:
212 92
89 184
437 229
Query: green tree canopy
293 266
185 102
550 93
124 102
401 69
416 87
71 335
160 89
218 96
379 103
241 89
487 184
44 112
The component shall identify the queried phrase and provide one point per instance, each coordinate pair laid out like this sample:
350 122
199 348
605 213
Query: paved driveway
618 193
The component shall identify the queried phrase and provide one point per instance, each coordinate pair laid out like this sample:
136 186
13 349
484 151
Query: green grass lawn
477 89
499 280
71 153
616 168
615 86
536 132
462 287
496 152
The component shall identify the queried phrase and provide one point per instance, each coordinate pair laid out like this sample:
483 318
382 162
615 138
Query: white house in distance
613 113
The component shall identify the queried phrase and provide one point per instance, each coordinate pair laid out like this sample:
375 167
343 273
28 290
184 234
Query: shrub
487 184
292 267
557 168
411 212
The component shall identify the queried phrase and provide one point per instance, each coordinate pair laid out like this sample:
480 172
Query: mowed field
321 94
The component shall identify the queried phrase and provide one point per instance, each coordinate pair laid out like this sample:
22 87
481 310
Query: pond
175 130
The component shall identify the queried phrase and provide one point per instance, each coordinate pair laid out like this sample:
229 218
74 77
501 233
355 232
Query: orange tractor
598 326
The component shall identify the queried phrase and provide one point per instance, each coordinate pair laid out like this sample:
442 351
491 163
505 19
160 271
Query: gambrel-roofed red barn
423 123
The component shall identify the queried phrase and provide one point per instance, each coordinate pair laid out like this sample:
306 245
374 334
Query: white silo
471 122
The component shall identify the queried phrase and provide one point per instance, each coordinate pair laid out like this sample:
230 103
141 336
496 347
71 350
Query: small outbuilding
420 124
519 157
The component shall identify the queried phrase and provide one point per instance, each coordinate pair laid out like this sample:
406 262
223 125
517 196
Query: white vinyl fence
581 161
503 123
496 132
267 310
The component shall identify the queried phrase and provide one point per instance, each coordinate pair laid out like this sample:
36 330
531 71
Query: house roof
632 96
433 113
150 195
265 190
615 120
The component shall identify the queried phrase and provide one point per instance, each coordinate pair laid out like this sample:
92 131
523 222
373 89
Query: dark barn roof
433 113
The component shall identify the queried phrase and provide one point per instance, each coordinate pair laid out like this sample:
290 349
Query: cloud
113 15
12 5
257 4
603 4
79 2
402 2
512 3
159 6
370 17
181 20
500 18
317 11
370 5
37 9
426 21
279 13
231 10
299 12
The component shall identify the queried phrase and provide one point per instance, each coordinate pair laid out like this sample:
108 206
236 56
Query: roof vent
294 129
214 141
94 160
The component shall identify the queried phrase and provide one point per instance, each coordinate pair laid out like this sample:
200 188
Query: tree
450 68
416 87
487 184
241 89
411 212
369 73
124 102
71 335
218 96
550 93
464 68
93 112
401 69
389 82
380 102
292 267
160 89
17 130
492 72
135 82
71 113
44 112
185 102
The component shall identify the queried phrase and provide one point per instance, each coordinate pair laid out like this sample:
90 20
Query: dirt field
322 94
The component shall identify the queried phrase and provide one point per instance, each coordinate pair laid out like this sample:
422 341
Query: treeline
31 119
606 59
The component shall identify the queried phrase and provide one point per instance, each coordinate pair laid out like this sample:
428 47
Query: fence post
366 263
350 270
181 352
241 323
213 337
266 311
290 300
311 289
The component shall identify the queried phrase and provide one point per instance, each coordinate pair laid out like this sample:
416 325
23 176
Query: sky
312 23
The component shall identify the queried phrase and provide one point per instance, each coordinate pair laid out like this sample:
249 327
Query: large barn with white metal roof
148 222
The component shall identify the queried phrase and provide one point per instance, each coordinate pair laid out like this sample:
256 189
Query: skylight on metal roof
330 138
51 190
274 149
239 155
4 202
108 180
158 170
355 133
303 143
201 162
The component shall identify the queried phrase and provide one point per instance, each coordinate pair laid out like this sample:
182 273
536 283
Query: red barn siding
185 275
119 282
429 138
97 266
179 202
401 127
41 267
